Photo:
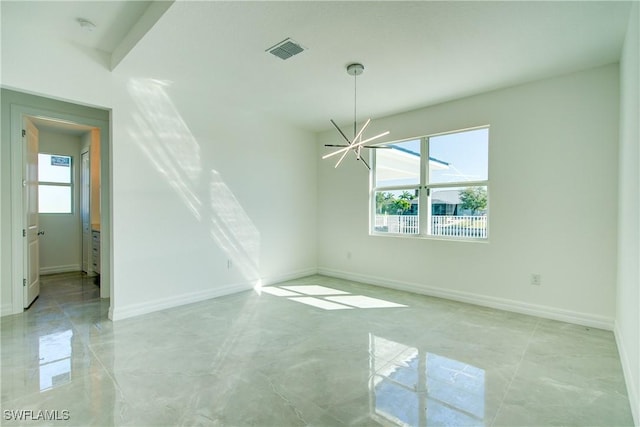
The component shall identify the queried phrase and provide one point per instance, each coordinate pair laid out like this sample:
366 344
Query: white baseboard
60 269
132 310
6 310
289 276
632 391
585 319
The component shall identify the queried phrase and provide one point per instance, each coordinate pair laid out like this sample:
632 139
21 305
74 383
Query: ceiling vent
285 49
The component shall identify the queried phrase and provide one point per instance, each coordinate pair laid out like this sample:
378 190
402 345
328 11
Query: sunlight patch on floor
327 298
315 290
278 292
361 301
320 303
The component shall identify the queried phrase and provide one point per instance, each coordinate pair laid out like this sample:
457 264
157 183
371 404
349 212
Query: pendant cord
355 101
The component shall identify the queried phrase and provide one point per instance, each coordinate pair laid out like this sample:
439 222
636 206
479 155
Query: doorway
69 195
66 123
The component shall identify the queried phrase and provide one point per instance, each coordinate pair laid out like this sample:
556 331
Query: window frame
425 189
70 184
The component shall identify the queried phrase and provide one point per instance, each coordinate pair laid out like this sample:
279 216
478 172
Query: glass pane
459 211
399 165
397 212
459 157
54 168
54 199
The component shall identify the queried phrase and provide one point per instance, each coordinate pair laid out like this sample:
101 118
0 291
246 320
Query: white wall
628 292
553 204
208 199
61 245
196 182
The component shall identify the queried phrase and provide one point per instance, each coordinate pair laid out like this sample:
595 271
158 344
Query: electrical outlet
536 279
229 264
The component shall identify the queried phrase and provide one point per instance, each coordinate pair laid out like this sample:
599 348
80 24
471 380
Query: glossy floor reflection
267 360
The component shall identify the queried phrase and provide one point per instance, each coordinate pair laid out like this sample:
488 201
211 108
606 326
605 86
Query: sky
466 153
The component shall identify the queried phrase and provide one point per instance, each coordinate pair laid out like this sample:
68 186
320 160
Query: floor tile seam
284 398
65 292
66 304
107 372
324 410
515 372
76 329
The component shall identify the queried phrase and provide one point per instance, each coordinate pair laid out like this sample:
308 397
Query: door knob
40 233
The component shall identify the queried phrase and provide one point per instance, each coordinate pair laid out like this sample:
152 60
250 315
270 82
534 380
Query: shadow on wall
163 136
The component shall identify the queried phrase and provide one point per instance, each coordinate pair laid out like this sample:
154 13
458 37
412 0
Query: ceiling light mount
86 25
355 69
357 143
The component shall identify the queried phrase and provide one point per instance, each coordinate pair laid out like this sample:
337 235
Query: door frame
18 247
85 184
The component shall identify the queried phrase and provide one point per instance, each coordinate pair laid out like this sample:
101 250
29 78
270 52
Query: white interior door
85 213
32 255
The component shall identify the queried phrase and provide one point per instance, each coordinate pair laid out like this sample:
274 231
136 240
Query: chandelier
356 144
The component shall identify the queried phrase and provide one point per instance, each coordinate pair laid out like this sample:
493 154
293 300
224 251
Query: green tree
474 199
384 202
400 206
387 203
407 196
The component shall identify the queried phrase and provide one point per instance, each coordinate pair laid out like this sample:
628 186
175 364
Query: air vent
285 49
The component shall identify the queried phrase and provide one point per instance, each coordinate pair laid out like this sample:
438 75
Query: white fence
399 224
441 225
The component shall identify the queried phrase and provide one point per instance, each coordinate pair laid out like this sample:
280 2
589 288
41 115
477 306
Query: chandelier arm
354 146
355 138
333 153
365 163
341 159
358 144
341 133
364 146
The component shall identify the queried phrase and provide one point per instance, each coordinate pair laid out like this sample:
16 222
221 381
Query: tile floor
314 351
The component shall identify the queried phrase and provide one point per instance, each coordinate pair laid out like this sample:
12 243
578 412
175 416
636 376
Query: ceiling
60 126
112 19
415 54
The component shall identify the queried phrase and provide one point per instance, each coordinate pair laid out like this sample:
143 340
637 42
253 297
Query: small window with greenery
54 184
433 186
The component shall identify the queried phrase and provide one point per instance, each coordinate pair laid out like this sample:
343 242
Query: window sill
436 238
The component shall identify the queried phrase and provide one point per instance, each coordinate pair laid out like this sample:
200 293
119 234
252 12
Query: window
433 186
54 183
